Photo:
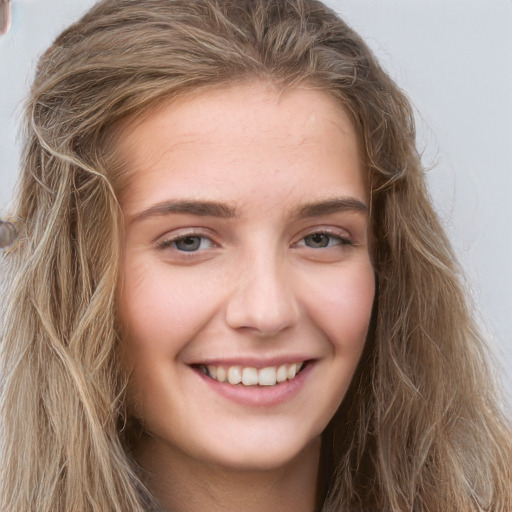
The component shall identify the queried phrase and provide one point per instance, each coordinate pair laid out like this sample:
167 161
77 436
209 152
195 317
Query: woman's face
246 257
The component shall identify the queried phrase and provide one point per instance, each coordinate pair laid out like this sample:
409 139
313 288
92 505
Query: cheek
159 314
341 302
160 310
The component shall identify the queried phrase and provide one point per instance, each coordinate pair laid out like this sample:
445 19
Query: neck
181 484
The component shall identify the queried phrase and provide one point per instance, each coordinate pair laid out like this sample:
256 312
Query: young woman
230 290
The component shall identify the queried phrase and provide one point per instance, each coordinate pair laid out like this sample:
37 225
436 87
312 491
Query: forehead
233 132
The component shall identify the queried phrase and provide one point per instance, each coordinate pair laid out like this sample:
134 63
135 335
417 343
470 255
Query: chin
264 454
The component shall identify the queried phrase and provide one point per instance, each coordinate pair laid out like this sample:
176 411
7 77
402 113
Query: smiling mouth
250 376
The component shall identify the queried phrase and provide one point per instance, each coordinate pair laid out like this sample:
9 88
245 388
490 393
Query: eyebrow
190 207
325 207
225 211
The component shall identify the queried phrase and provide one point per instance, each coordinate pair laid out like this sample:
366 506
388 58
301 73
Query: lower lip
259 396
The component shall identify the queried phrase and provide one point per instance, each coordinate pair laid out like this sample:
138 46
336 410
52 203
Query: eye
323 240
187 243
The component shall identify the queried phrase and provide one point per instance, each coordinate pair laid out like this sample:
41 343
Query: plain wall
454 60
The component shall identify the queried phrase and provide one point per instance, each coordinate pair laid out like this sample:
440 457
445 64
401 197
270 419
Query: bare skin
183 487
246 292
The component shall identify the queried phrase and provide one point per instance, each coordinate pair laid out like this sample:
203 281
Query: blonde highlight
421 427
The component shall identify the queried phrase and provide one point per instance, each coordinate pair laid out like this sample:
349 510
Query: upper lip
254 362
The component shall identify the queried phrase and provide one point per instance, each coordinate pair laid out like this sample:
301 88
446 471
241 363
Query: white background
454 60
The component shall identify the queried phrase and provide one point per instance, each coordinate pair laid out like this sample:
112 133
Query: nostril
262 309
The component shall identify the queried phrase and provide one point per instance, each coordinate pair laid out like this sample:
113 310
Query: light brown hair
421 427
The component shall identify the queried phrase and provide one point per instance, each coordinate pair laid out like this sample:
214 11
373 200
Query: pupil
317 240
189 243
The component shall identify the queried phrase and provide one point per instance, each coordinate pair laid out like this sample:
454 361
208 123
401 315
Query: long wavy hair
421 428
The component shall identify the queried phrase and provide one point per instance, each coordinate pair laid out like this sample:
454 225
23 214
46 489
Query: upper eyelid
345 240
167 239
178 233
204 232
328 230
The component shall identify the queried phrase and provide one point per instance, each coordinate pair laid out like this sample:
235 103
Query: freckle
8 234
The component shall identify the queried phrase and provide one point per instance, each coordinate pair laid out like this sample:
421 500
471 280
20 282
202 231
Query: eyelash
342 239
170 242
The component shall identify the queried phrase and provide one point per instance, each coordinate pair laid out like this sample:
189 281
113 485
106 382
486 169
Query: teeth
267 376
235 374
282 373
292 371
249 376
221 373
212 371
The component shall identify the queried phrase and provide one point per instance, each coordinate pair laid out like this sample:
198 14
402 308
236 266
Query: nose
262 300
